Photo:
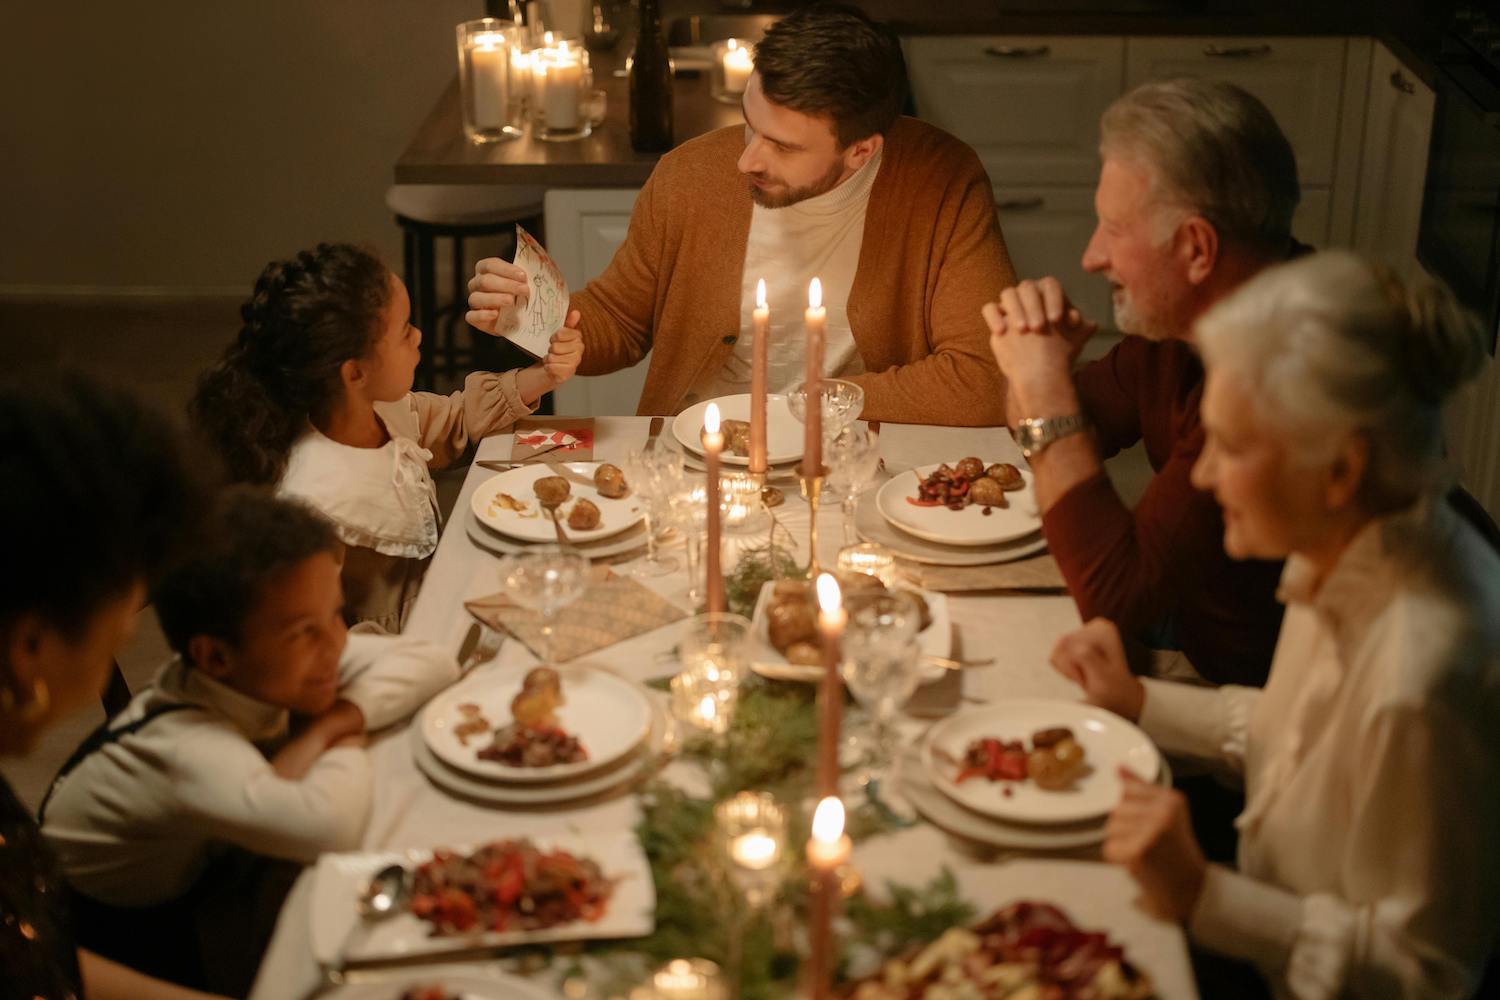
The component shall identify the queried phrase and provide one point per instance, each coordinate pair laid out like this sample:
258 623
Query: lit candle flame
711 419
734 43
829 598
815 294
828 819
562 49
760 294
547 37
708 708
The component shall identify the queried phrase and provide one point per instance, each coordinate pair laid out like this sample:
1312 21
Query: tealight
869 558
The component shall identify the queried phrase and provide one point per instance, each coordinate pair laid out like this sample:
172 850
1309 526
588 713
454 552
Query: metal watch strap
1035 435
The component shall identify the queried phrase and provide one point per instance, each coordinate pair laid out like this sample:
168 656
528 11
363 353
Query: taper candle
713 443
831 618
816 323
760 329
828 848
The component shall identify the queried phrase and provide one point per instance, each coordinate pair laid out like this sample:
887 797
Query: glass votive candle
870 559
713 647
733 62
561 92
752 830
685 979
702 705
491 103
740 502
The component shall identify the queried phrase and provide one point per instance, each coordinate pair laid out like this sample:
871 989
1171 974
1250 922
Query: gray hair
1214 149
1332 345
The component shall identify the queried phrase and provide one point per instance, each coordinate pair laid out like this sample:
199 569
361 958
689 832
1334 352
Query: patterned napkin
611 610
555 439
1038 574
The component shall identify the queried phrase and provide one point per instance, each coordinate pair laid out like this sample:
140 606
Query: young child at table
314 395
250 740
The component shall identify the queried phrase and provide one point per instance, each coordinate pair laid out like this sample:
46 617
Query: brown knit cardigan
932 255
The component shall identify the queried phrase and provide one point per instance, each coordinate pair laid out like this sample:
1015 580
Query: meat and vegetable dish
508 885
534 738
1055 761
792 615
737 437
968 482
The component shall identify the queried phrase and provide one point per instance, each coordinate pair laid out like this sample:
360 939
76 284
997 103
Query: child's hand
565 351
496 289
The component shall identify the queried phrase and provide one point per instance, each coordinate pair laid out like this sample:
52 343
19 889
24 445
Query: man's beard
1129 320
790 196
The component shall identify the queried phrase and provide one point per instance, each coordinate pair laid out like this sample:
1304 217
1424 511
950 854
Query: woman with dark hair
1371 757
101 494
314 396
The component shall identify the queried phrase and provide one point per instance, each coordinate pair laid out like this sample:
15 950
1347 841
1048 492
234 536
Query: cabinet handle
1020 204
1017 51
1401 83
1237 51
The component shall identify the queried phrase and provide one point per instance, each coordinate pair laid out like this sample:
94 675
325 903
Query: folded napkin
556 440
1037 574
611 610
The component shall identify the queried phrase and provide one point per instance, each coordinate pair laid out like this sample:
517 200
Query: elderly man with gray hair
1195 196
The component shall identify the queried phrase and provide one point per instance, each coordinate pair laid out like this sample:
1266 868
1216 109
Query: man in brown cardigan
825 179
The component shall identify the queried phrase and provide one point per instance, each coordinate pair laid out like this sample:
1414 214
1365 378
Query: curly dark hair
99 493
833 60
306 317
253 537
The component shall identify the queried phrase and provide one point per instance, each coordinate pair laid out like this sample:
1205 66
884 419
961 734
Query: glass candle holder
740 502
684 979
713 649
492 105
870 559
564 105
751 828
733 62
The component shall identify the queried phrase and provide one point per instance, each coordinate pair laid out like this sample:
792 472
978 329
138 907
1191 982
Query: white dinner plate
339 878
783 431
466 984
609 715
532 524
935 640
627 541
970 526
872 526
1108 741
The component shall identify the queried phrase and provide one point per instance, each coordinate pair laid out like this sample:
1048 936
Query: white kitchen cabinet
1299 79
1029 106
1046 230
1310 224
1393 164
584 229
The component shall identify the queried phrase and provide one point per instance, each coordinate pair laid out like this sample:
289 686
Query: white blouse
136 821
1369 859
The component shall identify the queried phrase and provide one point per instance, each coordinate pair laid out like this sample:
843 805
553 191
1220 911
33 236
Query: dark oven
1460 233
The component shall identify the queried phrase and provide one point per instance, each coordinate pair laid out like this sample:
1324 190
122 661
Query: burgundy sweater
1165 561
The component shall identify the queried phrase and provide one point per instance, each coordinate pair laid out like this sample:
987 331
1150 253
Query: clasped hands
1036 334
495 295
1149 833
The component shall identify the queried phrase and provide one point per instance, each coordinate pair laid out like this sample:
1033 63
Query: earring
32 708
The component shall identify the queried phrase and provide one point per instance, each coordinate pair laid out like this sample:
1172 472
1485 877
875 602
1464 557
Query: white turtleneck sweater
816 238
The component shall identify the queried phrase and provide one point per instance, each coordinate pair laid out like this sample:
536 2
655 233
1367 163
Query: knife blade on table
654 431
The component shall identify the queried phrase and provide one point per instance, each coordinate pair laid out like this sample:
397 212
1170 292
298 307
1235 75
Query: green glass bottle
650 84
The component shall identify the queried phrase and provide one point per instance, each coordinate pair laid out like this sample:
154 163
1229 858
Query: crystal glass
842 403
655 474
546 579
715 645
492 102
851 456
869 558
740 501
688 515
751 828
879 665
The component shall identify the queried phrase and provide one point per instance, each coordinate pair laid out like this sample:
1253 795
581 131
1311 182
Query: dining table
1017 629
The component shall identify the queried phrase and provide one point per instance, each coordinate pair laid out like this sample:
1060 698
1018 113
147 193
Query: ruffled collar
378 498
259 721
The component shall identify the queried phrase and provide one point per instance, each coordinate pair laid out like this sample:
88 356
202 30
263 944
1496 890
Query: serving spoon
385 894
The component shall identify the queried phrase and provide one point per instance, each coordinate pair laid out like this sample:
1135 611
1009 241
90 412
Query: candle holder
752 832
564 105
684 979
493 109
869 558
812 492
732 64
742 505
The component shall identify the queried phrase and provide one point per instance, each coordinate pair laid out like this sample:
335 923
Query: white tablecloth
1019 631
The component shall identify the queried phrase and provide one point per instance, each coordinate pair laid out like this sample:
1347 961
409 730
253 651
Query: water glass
546 579
880 663
852 456
842 404
654 474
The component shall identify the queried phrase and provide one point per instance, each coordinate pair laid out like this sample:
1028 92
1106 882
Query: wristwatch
1035 435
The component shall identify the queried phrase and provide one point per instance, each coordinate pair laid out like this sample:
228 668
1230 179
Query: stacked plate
973 536
611 717
1022 814
505 515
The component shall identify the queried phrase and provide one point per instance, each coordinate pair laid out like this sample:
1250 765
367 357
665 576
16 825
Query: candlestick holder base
812 492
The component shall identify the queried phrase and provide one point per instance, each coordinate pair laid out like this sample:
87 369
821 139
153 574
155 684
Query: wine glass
546 579
654 474
688 506
880 667
842 403
851 456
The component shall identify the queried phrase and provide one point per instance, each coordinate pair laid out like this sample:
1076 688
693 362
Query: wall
174 148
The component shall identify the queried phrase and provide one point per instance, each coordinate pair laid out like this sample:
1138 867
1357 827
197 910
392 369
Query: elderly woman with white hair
1369 859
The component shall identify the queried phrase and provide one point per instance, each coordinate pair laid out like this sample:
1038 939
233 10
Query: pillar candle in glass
713 444
738 65
831 619
562 89
816 324
490 108
760 330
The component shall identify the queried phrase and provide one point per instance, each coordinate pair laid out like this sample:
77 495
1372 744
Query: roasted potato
789 622
970 468
1007 475
584 516
552 490
1055 767
923 611
988 493
610 481
737 437
804 654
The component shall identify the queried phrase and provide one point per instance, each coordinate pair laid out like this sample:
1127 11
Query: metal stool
427 212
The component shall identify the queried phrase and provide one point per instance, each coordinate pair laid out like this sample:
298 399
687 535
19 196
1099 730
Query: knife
654 432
